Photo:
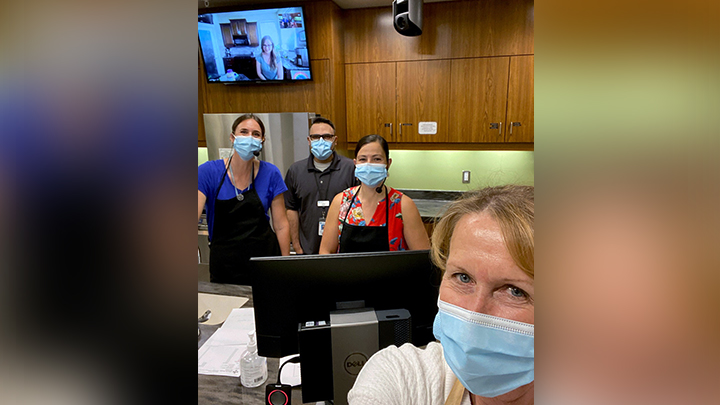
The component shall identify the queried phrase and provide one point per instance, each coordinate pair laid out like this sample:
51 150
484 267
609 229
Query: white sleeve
402 376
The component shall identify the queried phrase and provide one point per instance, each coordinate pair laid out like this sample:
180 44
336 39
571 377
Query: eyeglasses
327 137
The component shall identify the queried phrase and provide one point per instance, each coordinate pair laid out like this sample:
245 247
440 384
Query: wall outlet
466 176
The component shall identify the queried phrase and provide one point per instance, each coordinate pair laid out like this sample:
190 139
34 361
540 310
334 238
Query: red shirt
356 217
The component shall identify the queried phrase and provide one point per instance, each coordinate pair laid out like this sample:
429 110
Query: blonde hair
513 207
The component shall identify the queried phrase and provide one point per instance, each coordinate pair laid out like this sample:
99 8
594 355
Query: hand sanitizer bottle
253 368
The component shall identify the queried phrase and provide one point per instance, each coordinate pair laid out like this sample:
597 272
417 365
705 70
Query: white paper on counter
220 305
220 354
290 374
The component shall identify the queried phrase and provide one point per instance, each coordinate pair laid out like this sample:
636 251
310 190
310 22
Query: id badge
323 203
321 227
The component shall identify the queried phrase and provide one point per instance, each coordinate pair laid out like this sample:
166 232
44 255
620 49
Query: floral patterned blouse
356 217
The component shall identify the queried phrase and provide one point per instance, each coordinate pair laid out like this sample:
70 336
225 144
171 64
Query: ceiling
344 4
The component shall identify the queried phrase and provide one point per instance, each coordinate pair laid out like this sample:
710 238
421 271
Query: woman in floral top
373 217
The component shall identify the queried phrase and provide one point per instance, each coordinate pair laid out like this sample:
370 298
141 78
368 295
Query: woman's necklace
239 196
372 197
369 203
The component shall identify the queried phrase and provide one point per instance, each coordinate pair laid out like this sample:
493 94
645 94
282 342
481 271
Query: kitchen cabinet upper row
451 30
485 100
238 28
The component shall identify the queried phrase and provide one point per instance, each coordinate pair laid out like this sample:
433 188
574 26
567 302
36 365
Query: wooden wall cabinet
252 33
422 96
455 29
478 91
477 100
390 99
226 30
370 91
470 72
238 27
495 103
521 100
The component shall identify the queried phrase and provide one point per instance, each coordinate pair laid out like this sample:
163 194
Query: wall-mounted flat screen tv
254 45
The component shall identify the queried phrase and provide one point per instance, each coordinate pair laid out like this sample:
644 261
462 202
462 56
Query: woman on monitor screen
268 64
485 247
372 217
238 193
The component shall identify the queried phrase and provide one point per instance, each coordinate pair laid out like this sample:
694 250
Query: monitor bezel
299 294
254 7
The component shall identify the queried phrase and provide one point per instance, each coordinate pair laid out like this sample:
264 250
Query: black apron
240 231
356 238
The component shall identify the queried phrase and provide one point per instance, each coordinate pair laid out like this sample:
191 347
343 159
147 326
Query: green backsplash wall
442 170
202 156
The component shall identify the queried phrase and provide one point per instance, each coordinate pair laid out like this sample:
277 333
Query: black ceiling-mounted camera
407 17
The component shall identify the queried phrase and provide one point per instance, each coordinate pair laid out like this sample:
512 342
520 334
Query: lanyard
387 208
240 196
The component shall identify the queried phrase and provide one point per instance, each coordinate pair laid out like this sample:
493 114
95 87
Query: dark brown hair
321 120
373 138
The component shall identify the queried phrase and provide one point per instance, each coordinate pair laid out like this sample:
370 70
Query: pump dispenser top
253 368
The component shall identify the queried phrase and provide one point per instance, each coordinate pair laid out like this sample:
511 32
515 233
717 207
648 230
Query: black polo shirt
302 180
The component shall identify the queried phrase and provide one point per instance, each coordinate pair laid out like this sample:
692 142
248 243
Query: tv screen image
251 46
291 290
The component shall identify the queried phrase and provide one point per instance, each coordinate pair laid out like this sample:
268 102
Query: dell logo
354 363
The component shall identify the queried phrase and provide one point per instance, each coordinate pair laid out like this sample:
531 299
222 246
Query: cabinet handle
498 126
401 125
514 124
389 124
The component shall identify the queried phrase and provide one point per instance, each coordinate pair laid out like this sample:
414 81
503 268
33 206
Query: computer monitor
293 289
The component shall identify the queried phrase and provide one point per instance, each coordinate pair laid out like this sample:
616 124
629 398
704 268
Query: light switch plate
466 176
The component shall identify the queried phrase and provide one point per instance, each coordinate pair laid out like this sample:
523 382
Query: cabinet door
252 33
370 94
521 100
227 35
423 96
238 27
479 95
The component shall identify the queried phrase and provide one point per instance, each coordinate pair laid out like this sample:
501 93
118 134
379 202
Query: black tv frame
252 7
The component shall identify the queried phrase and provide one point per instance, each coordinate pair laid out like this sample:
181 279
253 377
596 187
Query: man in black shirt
312 183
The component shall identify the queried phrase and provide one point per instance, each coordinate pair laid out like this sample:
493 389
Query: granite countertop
288 64
430 209
432 203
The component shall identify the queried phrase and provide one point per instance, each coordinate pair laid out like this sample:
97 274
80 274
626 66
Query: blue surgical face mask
371 174
490 356
321 148
245 146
